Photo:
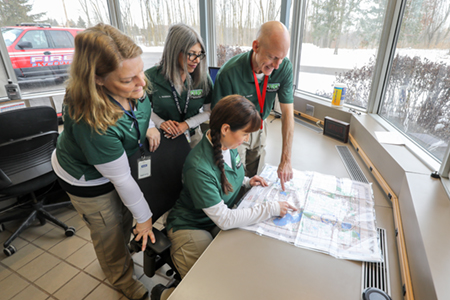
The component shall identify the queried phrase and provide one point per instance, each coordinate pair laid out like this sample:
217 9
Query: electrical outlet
310 110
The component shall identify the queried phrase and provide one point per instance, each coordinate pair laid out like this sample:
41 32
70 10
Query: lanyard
261 99
135 122
177 102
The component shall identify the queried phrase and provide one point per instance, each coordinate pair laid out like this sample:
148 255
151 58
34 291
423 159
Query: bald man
260 75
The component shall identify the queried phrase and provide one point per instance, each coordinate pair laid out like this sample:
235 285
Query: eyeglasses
193 56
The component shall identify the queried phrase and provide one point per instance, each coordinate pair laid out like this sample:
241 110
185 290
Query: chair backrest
213 73
163 187
27 139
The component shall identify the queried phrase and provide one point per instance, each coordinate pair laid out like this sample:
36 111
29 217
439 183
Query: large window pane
417 96
148 21
39 36
237 22
340 43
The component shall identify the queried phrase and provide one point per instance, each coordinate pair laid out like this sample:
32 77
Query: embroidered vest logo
273 87
238 161
196 94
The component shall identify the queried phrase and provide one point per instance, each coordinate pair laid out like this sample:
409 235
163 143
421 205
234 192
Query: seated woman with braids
212 177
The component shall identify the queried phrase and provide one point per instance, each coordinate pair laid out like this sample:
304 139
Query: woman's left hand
144 231
258 180
181 128
154 138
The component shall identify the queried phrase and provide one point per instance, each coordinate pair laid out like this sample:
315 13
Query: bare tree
85 8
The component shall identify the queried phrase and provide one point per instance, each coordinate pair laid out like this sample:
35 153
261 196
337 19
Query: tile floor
49 265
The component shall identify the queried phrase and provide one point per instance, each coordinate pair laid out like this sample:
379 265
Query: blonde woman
106 119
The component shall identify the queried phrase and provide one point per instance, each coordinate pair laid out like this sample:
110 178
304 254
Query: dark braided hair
239 113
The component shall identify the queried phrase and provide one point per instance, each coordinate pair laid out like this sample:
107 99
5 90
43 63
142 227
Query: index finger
292 207
152 236
263 182
144 242
282 184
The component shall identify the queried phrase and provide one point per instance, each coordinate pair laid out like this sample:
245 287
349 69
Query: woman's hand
258 180
170 127
154 138
182 127
144 231
285 207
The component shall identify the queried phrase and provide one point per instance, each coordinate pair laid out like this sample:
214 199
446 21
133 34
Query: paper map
335 215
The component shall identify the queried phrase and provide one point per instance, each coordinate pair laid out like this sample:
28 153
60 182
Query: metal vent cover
351 165
377 274
373 274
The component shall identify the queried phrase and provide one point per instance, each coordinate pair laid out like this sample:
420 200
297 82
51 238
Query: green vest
202 187
163 100
79 147
236 77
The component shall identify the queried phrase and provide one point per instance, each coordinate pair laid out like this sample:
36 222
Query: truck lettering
50 60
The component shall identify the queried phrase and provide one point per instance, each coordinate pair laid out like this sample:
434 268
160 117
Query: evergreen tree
81 23
16 12
370 23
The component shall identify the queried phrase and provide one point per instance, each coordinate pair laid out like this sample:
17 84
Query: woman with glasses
181 86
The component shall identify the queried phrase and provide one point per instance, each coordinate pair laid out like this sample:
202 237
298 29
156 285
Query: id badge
188 136
144 167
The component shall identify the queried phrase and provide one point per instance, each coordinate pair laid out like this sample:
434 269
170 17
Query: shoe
157 291
137 291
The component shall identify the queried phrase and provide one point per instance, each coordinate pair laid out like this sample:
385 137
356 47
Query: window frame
386 50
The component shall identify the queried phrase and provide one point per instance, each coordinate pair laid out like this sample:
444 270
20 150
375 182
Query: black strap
177 101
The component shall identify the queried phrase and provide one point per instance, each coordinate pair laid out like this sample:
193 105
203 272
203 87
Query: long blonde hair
99 50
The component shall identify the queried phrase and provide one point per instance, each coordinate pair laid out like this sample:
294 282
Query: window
35 32
417 95
10 35
339 45
148 22
35 38
62 39
237 23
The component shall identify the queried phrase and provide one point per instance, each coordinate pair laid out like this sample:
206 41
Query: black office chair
161 190
27 140
213 73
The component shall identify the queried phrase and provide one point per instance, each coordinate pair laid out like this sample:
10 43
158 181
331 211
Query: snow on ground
318 58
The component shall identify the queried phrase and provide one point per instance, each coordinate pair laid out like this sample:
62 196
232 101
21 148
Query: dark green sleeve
286 93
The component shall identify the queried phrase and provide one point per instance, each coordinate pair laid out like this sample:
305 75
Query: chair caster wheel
70 231
2 227
10 250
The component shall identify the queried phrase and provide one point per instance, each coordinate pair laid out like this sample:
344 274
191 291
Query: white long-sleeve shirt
226 218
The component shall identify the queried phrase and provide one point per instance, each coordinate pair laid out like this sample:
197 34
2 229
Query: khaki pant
253 152
110 224
187 246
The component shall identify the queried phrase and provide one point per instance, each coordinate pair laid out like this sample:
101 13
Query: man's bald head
270 47
274 33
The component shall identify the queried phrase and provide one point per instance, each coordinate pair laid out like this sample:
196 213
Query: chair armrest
162 243
4 180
